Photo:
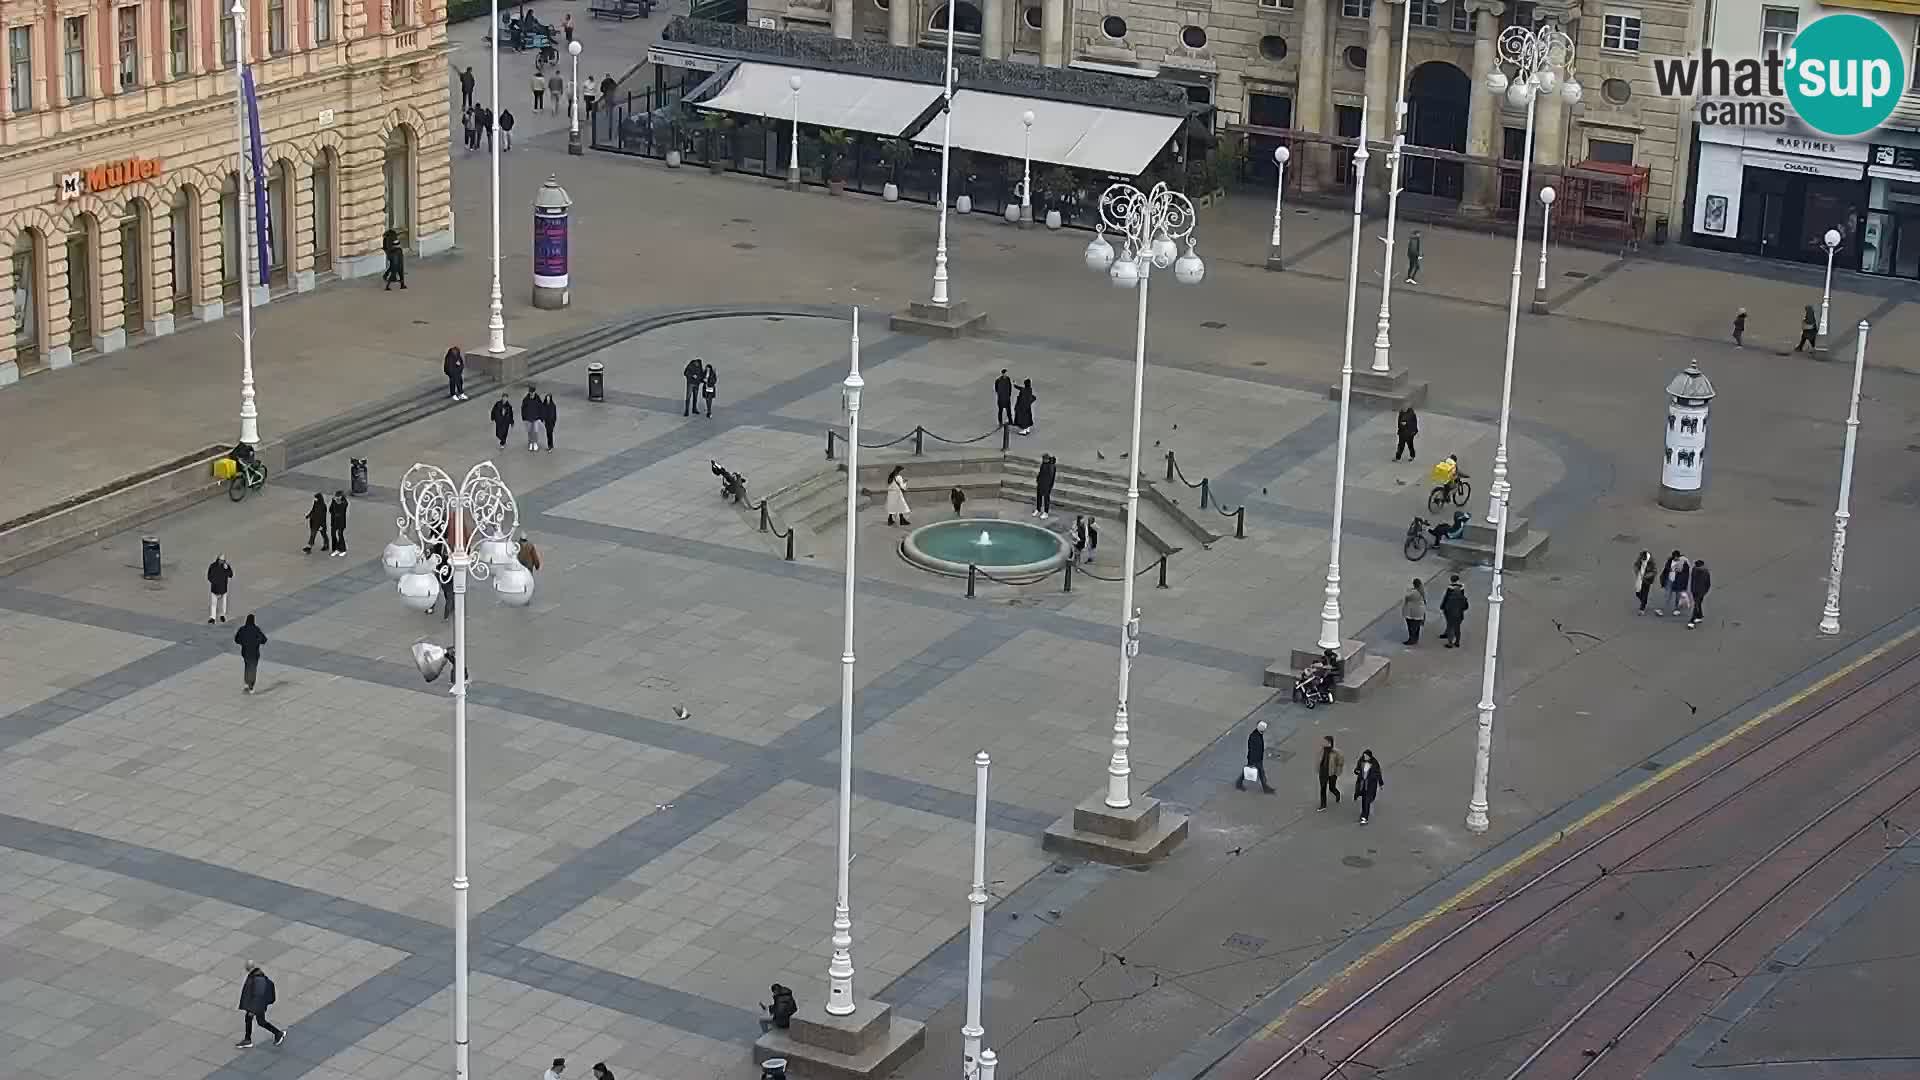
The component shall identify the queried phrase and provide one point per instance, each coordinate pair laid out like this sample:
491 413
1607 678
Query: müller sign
107 176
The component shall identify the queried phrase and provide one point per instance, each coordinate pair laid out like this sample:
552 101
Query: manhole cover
1788 500
743 221
1359 862
745 246
1652 766
1576 275
1624 538
1245 943
1775 967
1263 363
1211 325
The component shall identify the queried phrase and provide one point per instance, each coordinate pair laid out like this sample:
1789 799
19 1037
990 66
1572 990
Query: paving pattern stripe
34 720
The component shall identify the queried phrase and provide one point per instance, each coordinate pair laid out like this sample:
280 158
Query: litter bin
773 1069
357 475
596 382
149 556
1660 228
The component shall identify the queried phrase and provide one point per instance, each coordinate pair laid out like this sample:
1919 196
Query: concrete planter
891 192
673 159
963 204
1013 213
1053 219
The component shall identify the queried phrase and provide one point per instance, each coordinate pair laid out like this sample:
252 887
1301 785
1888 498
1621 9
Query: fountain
1006 549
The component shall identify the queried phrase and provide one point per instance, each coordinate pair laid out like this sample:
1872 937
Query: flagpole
249 410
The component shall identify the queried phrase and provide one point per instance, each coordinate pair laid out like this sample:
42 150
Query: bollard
1006 437
357 475
970 571
919 436
596 382
789 545
1204 492
989 1061
1240 524
149 556
763 517
1163 573
1066 579
1169 466
829 444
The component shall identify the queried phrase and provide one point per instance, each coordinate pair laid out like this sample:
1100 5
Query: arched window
966 19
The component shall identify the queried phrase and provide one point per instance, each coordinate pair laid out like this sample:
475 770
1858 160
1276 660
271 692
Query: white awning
827 99
1080 136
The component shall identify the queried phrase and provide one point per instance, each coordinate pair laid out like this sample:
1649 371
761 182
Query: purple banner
262 217
550 249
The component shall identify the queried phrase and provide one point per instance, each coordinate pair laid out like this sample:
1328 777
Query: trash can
596 382
1660 228
149 556
773 1069
357 475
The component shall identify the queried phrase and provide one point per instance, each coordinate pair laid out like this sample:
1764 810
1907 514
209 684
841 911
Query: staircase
1164 526
1475 546
1364 671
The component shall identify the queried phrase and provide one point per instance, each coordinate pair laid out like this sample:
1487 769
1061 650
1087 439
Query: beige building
1296 69
118 136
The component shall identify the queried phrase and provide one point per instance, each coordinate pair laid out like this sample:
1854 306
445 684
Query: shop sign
1814 146
107 176
1897 157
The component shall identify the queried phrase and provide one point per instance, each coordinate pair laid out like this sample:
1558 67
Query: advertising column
1683 468
550 278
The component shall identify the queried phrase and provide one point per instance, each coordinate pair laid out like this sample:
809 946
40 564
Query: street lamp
840 1000
573 104
243 175
1280 157
1537 57
479 511
972 1032
1150 226
1026 170
496 312
793 149
1382 341
1830 241
1539 306
1830 617
1330 610
946 156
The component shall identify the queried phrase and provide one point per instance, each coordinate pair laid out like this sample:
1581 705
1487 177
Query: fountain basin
1008 549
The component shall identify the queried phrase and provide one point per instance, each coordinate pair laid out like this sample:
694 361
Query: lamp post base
1274 262
574 148
956 319
1538 306
868 1042
1138 834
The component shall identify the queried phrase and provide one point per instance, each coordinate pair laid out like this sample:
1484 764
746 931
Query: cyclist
1447 474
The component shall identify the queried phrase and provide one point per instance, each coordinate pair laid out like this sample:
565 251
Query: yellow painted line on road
1597 813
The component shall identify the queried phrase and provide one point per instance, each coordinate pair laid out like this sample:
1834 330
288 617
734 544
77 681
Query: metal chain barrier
1207 499
920 434
767 525
1067 570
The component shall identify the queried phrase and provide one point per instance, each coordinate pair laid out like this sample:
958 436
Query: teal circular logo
1845 74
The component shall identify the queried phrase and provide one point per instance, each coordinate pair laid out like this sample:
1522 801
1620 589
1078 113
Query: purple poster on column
550 250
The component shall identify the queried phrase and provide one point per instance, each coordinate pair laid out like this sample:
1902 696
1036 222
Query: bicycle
249 475
1418 542
1456 491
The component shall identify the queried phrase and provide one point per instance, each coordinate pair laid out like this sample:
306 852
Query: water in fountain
985 540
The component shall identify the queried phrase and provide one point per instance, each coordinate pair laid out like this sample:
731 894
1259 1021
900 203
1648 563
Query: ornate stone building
118 157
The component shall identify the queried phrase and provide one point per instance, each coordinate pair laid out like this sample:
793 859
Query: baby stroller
733 485
1314 686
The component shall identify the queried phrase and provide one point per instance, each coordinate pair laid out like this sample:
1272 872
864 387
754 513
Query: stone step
926 493
876 464
1365 672
1395 391
1522 550
1116 478
1159 533
1479 532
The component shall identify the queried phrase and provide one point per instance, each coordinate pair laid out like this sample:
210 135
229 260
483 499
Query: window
1616 91
1277 5
226 36
1114 27
179 39
1620 30
1356 9
1032 18
1273 47
1777 27
322 20
1913 62
20 68
1617 153
1426 13
276 27
74 38
129 19
1518 14
1513 143
1355 56
1193 37
403 14
1462 18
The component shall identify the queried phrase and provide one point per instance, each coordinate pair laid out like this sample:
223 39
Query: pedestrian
502 416
1453 608
456 370
1409 427
337 517
1331 762
696 373
317 524
781 1010
1809 331
1078 538
1367 782
897 497
1413 258
1043 487
539 88
1740 329
958 498
486 126
1413 608
219 576
256 993
710 385
1673 582
556 84
607 87
466 87
1698 583
1256 760
549 416
530 409
1645 573
250 637
467 126
396 260
528 555
558 1068
1023 407
1003 399
1093 537
601 1072
566 26
506 129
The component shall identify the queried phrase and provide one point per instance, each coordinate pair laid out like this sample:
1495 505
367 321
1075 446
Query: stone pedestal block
1137 834
931 320
508 368
868 1043
1395 390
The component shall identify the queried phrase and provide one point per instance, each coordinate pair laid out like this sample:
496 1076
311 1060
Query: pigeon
1156 442
1099 455
680 712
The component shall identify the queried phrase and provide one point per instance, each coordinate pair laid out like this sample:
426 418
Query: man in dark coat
219 576
502 416
696 373
256 993
396 260
1697 584
1043 486
1023 407
1409 427
506 129
317 524
1330 765
250 637
456 371
1003 398
466 87
486 125
1453 608
1256 758
1413 258
337 517
1367 782
549 416
781 1009
531 409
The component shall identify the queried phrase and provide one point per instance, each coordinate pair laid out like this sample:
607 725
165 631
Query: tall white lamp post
940 296
249 409
1537 56
1539 306
1382 339
573 102
1330 609
496 312
1831 242
973 1032
1026 169
1281 155
477 515
793 148
1150 227
1830 617
840 1001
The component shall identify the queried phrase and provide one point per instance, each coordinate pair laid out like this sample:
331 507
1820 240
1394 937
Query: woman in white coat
897 497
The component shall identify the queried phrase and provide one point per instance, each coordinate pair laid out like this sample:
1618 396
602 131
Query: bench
620 9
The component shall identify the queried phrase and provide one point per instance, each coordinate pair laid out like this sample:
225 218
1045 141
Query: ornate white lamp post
793 149
1830 617
973 1032
1281 155
1150 227
840 1000
1831 242
249 409
1539 306
573 128
496 312
1538 57
478 513
1026 169
1382 339
946 155
1330 609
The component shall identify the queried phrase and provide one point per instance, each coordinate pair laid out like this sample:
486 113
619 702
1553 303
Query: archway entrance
27 255
135 227
1438 98
399 181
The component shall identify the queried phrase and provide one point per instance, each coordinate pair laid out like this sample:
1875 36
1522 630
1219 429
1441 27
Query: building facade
119 142
1297 71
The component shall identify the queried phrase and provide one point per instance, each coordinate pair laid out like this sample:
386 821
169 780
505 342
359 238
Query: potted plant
896 153
960 172
719 140
1059 190
835 145
665 134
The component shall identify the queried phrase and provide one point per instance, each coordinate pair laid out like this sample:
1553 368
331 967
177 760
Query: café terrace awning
1118 142
827 99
